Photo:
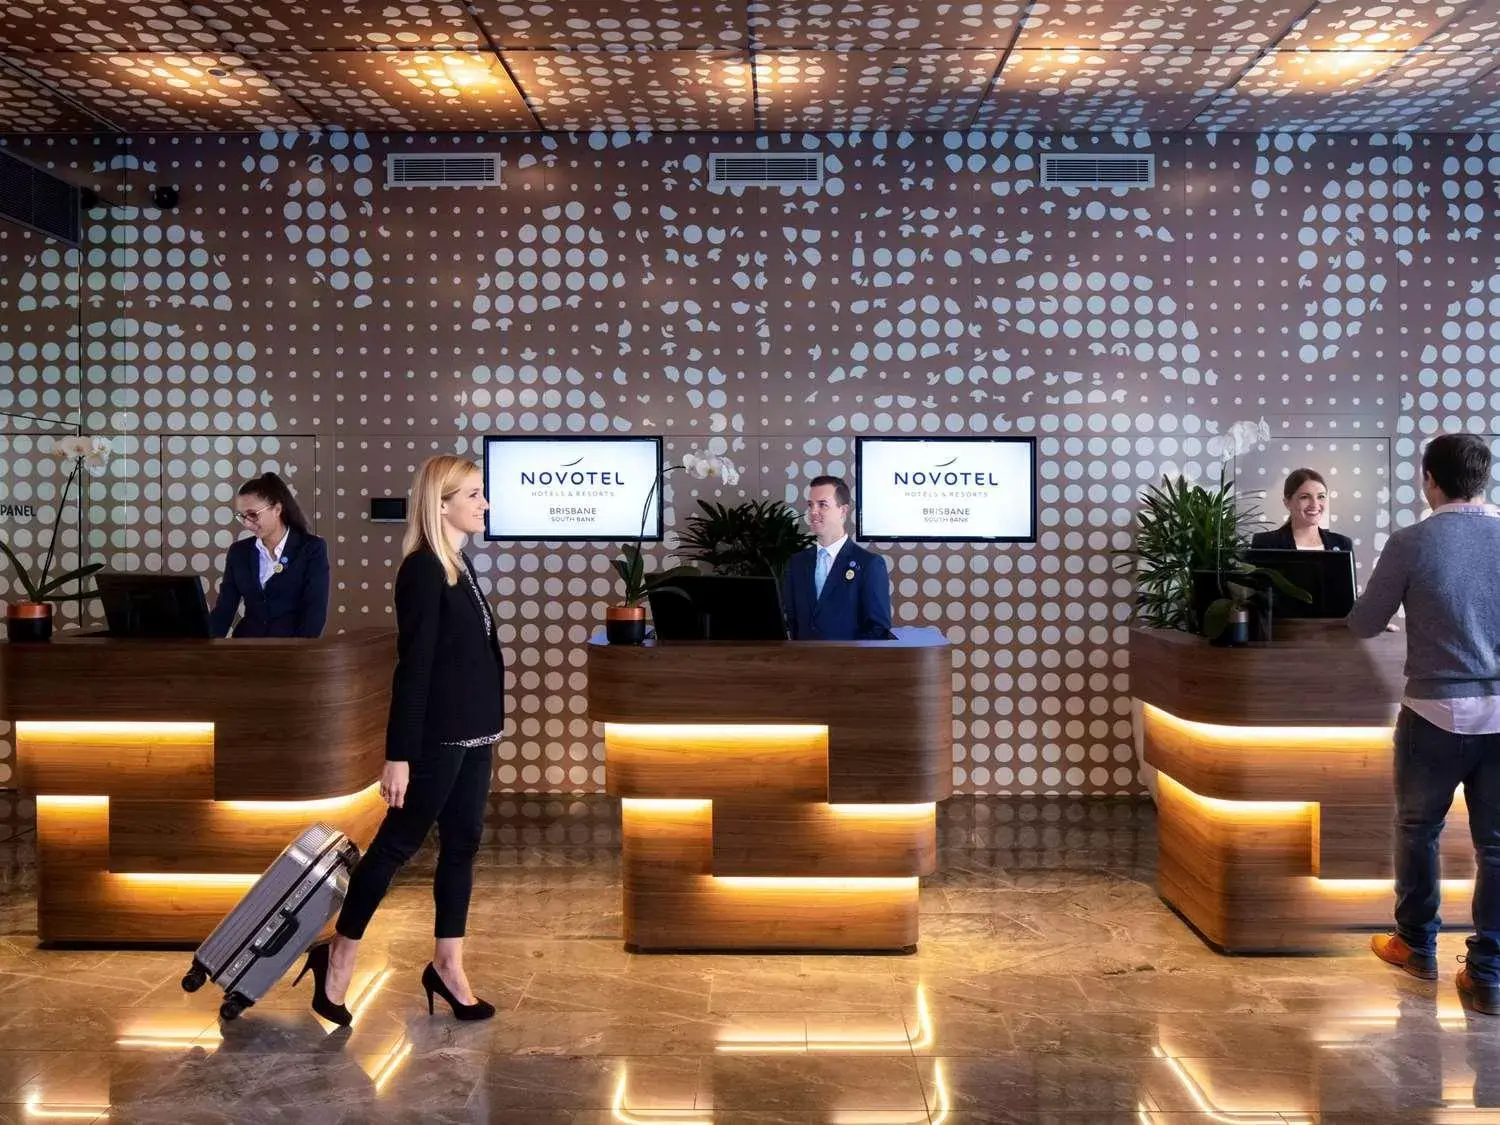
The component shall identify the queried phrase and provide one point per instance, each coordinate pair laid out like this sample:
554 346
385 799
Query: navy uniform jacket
856 600
293 603
1281 540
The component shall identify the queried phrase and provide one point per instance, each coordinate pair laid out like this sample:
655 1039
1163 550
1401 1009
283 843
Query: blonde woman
447 711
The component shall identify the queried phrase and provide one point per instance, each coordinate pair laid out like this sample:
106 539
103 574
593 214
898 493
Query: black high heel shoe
317 963
479 1010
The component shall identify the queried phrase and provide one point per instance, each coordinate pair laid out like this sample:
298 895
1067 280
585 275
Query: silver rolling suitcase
277 920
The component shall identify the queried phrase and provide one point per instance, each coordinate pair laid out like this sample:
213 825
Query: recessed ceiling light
218 72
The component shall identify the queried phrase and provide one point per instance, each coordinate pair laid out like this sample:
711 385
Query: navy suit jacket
856 600
1282 539
293 603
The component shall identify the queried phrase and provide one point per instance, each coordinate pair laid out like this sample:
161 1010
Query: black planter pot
28 622
625 625
1208 587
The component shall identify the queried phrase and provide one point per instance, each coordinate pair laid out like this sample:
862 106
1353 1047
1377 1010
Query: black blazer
1281 540
293 603
855 604
449 684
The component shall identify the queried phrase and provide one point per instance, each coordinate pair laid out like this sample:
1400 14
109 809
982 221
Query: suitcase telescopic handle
283 934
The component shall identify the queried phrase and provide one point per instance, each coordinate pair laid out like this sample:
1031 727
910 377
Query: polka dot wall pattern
930 287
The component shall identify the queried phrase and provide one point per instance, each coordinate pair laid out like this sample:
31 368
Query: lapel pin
849 575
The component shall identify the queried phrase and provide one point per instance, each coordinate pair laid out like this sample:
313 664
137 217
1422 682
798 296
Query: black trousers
447 787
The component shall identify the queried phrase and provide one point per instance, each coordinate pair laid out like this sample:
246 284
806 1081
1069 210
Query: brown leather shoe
1393 950
1477 996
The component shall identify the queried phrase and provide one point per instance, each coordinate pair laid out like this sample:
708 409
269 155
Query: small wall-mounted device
388 509
164 197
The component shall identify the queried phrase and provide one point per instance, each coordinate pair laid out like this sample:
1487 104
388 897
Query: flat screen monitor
153 605
562 488
717 607
1327 575
965 490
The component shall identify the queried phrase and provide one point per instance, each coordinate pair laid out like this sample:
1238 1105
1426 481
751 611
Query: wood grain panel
293 719
1357 841
70 759
227 837
757 836
1270 763
683 760
1236 875
1316 674
888 705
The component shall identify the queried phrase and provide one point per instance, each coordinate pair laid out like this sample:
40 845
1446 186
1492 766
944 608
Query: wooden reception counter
1274 794
775 795
169 774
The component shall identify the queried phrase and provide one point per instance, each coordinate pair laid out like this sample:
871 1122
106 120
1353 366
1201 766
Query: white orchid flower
73 448
706 465
99 452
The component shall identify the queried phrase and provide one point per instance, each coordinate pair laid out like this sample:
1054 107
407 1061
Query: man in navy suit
835 590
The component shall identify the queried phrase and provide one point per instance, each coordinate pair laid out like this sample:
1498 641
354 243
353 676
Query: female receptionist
280 574
1305 495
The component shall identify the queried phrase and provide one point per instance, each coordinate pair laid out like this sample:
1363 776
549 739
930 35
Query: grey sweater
1446 572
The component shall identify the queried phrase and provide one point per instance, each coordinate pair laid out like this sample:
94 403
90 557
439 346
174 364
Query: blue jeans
1431 764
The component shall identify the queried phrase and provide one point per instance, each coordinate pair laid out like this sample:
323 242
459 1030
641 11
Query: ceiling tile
655 25
1476 28
323 25
864 90
1352 91
1063 89
1199 24
407 90
169 91
1372 25
665 90
92 25
26 106
857 25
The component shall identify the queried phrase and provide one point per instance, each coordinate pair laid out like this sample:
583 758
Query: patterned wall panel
1343 288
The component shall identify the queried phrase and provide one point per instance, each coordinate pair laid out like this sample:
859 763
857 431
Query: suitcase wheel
195 978
233 1005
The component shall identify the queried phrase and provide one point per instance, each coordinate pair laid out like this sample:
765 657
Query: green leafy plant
1241 595
1184 527
757 537
631 567
42 587
75 452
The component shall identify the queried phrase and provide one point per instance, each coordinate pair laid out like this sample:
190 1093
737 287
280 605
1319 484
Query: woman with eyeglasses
279 574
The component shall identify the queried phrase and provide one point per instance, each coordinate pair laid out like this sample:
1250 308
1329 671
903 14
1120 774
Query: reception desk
1274 789
169 774
775 795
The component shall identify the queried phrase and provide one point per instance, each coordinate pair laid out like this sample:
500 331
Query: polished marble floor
1051 986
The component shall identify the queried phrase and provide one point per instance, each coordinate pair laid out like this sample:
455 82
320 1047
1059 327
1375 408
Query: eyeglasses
254 514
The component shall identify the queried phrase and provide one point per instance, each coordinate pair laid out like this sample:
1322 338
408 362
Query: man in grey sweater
1446 572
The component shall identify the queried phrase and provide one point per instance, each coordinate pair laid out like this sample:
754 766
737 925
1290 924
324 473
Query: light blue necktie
820 575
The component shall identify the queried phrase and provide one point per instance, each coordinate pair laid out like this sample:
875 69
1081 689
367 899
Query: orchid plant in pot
625 621
30 618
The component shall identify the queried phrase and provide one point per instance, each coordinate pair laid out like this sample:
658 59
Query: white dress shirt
833 550
269 559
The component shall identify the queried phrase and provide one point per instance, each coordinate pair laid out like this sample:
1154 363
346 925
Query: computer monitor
153 605
1327 575
718 607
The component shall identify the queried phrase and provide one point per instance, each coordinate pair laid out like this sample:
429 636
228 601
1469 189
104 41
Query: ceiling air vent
771 169
468 170
38 200
1120 170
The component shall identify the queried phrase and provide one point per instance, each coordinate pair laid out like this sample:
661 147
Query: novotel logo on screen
944 476
563 475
